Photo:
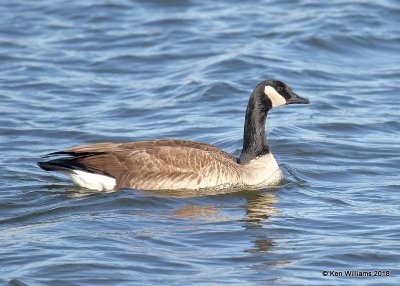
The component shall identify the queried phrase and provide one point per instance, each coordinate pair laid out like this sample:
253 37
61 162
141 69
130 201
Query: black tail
69 164
64 164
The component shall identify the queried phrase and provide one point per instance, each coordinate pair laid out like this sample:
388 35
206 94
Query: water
75 72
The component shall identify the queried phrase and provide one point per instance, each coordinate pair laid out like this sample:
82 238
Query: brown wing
161 164
109 146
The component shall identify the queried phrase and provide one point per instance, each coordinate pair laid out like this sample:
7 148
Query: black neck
254 139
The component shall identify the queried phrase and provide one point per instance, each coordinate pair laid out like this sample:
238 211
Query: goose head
278 93
266 95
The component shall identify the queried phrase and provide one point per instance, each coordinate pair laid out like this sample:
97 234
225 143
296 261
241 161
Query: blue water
76 72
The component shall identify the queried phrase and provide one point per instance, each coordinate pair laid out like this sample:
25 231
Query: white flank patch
92 181
274 96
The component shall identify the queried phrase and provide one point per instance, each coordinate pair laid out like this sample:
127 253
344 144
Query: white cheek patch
274 96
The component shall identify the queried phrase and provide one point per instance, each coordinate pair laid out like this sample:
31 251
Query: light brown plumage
161 164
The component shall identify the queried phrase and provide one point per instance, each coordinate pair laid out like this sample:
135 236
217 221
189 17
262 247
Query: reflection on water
260 245
208 212
259 207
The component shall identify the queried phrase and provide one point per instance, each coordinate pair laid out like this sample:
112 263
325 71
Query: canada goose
171 164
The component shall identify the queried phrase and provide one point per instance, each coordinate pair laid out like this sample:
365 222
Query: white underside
92 181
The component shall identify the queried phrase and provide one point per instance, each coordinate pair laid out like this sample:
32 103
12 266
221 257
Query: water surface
76 72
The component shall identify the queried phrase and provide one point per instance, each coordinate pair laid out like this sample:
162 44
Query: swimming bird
179 165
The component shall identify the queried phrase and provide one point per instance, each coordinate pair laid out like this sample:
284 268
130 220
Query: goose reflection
258 207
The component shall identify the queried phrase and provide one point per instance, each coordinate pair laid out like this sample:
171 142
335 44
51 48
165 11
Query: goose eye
279 88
